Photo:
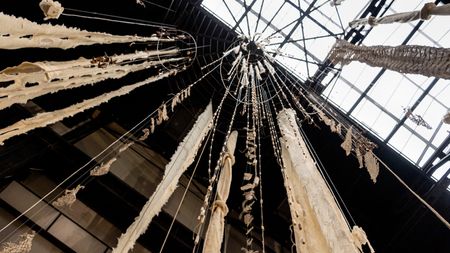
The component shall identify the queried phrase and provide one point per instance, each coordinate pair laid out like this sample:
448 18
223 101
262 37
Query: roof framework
303 32
213 39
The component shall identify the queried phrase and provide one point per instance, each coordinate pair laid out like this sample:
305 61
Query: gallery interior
225 126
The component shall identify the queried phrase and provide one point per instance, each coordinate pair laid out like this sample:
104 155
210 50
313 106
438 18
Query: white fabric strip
21 33
214 234
318 224
47 118
50 77
180 161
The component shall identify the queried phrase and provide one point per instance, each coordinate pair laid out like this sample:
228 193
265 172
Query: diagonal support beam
247 10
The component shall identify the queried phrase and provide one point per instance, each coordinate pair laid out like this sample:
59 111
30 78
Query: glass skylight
382 109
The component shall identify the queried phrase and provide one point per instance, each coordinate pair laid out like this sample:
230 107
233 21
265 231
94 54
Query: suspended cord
340 19
304 41
260 177
75 172
136 128
126 20
184 194
430 208
158 5
327 179
217 169
110 20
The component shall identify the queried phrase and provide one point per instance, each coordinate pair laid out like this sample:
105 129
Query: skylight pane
323 14
395 93
338 92
441 92
348 98
269 8
366 112
441 171
286 30
330 79
319 47
295 60
445 39
252 19
426 156
219 9
442 133
374 118
407 5
310 28
434 27
288 15
387 86
347 11
413 148
388 32
419 80
421 40
359 74
401 137
398 35
383 125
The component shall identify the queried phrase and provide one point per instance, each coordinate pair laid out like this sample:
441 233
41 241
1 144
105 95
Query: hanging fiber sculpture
140 2
359 156
408 59
324 118
336 2
372 165
103 169
51 77
52 9
446 118
146 134
47 118
360 239
69 197
319 225
215 231
339 128
362 146
18 33
22 246
428 10
347 144
183 157
364 153
416 118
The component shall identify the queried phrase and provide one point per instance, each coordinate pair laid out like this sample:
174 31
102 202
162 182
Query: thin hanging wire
114 18
112 148
184 193
217 168
327 179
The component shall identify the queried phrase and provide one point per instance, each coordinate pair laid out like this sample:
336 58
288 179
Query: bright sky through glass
383 107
